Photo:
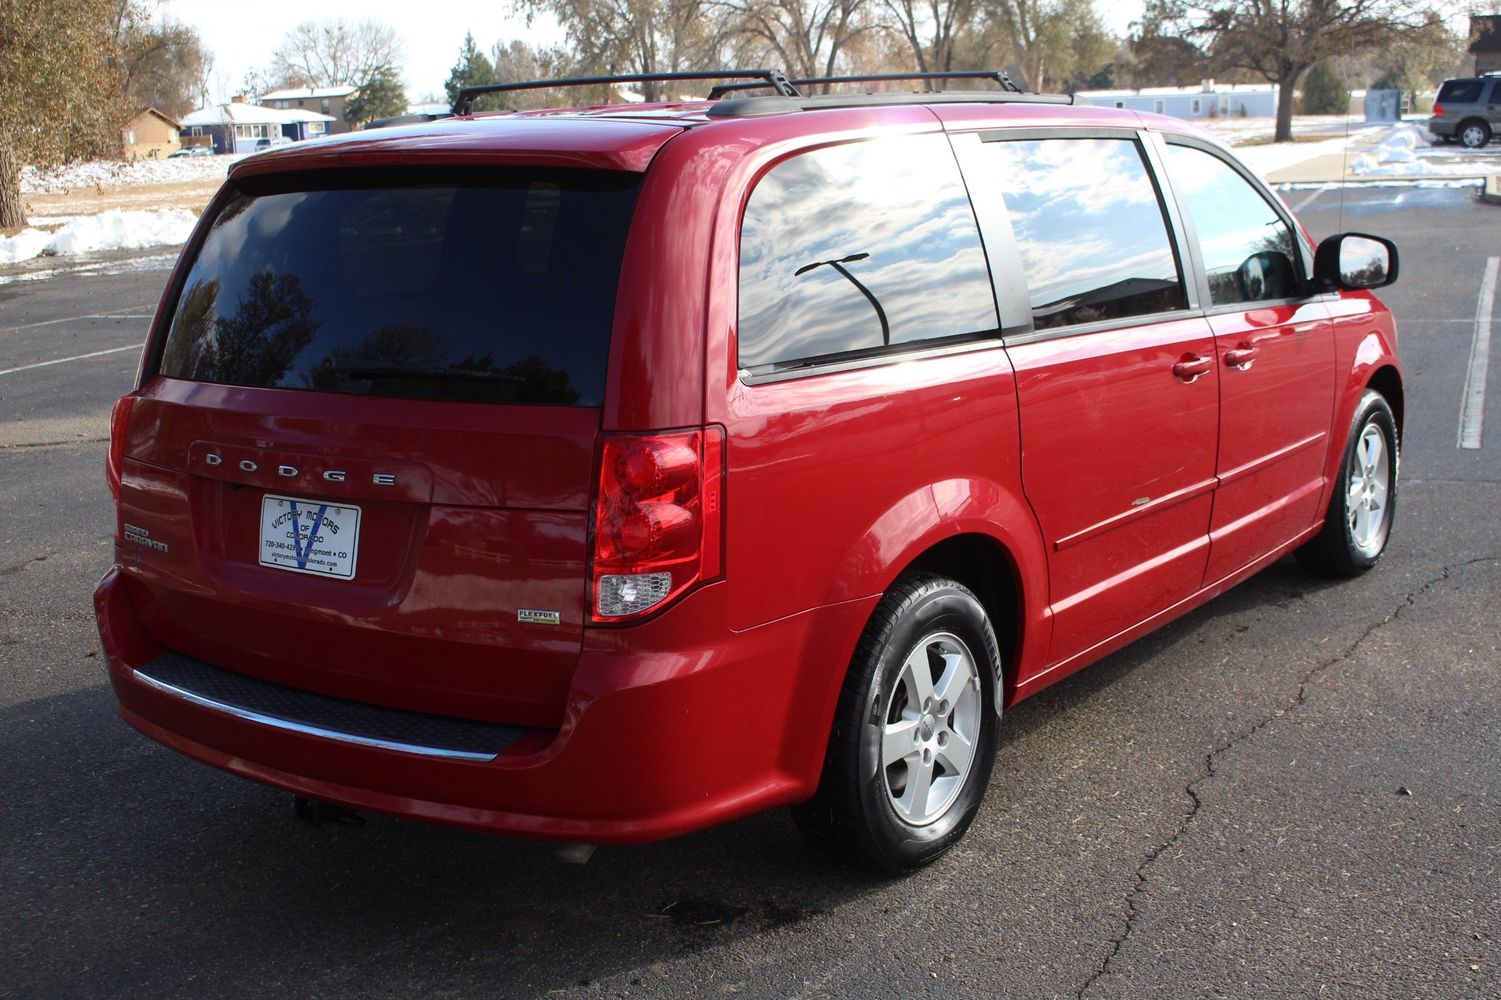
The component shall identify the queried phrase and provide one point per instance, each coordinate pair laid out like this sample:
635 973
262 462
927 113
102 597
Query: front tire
914 734
1359 522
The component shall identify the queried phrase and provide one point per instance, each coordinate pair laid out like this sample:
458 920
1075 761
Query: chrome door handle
1240 358
1191 368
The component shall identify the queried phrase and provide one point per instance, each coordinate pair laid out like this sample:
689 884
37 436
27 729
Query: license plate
309 536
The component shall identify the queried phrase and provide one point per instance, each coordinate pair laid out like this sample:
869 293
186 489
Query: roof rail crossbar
773 78
999 77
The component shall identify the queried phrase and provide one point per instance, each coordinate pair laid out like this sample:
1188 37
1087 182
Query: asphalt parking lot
1294 791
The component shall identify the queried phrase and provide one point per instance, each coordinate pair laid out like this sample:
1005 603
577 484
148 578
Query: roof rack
749 107
1006 83
773 78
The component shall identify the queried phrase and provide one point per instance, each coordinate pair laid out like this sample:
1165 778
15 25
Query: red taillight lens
114 459
657 519
1438 111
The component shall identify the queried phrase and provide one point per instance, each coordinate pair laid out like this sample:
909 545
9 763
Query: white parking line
74 319
1316 192
1472 403
76 357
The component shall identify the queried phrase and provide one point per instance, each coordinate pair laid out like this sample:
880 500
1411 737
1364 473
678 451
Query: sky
242 36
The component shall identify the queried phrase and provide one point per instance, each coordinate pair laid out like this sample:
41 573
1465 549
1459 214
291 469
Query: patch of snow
112 230
92 174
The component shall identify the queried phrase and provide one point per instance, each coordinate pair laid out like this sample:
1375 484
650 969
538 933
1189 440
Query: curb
1492 190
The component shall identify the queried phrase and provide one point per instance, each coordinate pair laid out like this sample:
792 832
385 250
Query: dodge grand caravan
601 474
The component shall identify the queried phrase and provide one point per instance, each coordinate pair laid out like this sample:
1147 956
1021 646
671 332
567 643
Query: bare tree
60 93
1053 42
334 53
161 63
637 36
804 37
932 29
1280 40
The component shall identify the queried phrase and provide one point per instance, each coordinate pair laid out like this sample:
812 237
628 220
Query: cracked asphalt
1293 792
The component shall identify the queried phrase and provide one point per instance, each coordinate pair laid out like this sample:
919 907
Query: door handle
1192 367
1240 358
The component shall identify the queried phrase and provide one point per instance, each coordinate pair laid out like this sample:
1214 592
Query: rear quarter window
485 287
1459 92
860 249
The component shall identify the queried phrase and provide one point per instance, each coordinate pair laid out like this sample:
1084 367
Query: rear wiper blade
373 371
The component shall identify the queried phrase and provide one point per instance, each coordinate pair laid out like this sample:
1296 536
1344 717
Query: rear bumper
673 725
1443 127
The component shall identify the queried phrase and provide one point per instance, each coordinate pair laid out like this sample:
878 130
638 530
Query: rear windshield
492 286
1459 92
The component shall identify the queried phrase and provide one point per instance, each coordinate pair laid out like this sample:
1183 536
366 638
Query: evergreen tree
1324 93
472 69
379 97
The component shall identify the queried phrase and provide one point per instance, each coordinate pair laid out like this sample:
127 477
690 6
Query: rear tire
914 733
1359 521
1473 134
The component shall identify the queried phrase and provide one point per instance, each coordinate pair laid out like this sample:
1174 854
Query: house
1485 42
238 127
329 101
149 135
1208 100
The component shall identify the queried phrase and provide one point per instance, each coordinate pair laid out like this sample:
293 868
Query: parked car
272 143
190 151
1468 110
607 474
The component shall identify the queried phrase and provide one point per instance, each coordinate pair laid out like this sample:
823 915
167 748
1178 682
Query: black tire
1335 551
853 816
1473 133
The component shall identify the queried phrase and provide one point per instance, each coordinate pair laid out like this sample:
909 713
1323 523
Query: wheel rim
1368 491
931 729
1474 135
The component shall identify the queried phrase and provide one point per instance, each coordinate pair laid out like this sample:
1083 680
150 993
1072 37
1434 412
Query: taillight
657 519
1438 111
114 459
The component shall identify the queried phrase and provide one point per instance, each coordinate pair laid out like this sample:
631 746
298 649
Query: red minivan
606 473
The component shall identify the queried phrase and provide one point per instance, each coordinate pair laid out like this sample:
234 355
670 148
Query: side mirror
1355 260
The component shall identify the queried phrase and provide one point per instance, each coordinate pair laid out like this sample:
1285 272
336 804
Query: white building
1209 100
238 127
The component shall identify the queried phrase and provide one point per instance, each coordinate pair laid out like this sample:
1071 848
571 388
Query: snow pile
93 174
1408 152
112 230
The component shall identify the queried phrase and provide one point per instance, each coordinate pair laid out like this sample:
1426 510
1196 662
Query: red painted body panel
835 483
1119 457
1274 429
489 514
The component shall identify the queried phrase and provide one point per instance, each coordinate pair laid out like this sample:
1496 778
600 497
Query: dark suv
1468 110
605 473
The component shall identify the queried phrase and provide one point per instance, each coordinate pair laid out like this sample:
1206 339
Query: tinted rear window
1459 92
493 287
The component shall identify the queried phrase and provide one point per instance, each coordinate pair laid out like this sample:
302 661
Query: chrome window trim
979 342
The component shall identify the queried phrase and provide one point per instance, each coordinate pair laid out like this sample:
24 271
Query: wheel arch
984 565
1388 381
